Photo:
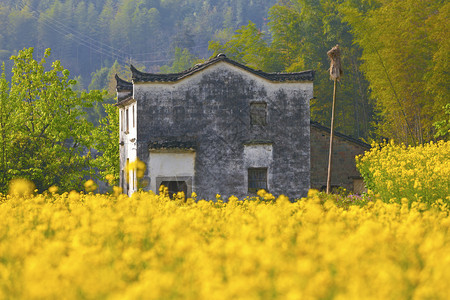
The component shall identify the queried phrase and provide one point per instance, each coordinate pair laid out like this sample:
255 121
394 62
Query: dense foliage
394 56
416 173
299 36
44 132
405 59
87 35
77 246
394 53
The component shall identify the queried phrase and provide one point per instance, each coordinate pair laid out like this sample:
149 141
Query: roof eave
125 102
141 77
341 135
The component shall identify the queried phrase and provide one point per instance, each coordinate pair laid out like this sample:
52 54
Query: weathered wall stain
212 107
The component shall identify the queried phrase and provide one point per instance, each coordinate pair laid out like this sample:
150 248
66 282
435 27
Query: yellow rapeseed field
417 173
86 246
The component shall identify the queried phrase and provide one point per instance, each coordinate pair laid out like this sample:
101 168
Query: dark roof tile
125 101
341 135
139 76
123 85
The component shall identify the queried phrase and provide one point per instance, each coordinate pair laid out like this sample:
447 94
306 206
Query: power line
70 29
93 44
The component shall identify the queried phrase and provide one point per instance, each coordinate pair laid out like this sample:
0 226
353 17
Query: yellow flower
90 185
117 191
53 189
21 187
261 193
74 196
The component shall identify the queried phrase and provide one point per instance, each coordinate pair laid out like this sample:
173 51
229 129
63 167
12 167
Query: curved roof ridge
123 85
138 76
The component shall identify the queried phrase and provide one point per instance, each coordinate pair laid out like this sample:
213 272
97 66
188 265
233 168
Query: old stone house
218 128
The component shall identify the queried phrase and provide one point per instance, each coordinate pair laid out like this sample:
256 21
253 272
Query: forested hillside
394 52
394 56
88 35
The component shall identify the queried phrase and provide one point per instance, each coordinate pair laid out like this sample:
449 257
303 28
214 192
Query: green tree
443 126
183 61
249 46
99 79
405 59
300 34
45 137
6 128
106 138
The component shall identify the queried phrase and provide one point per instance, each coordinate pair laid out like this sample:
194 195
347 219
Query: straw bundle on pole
335 73
335 67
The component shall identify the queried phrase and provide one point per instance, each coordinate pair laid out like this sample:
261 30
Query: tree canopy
300 33
87 35
405 59
44 133
394 56
394 52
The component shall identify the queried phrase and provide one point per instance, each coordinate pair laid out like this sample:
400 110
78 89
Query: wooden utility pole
335 73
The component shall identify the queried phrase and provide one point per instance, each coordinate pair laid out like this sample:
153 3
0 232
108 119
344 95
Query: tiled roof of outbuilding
341 135
139 76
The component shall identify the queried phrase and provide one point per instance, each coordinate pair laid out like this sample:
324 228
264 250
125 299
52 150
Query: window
134 123
127 121
121 120
179 114
123 179
175 187
258 113
128 175
257 179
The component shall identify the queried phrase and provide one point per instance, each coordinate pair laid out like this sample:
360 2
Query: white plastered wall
127 136
171 166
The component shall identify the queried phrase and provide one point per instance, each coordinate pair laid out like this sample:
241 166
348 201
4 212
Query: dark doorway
175 187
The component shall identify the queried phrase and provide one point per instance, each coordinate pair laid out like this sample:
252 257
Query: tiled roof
139 76
125 101
338 134
123 85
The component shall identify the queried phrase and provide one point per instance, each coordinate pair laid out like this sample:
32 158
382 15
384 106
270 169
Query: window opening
128 175
258 113
123 179
257 179
179 114
175 187
127 120
133 118
121 120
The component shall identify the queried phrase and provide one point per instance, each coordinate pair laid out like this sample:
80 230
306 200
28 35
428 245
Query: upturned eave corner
123 85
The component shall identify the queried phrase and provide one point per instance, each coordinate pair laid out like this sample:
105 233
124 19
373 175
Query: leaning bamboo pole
335 73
